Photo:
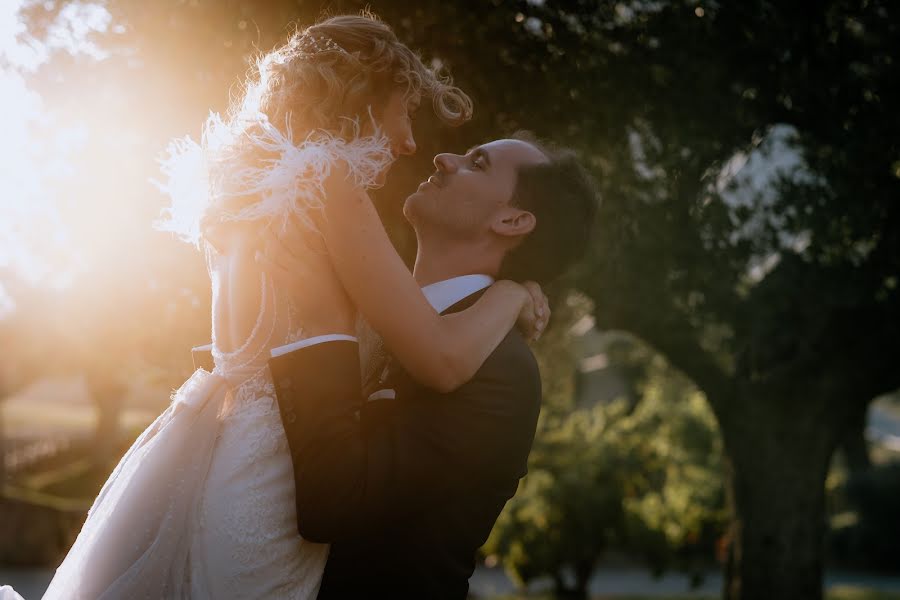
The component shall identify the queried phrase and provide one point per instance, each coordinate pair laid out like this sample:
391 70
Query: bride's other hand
301 267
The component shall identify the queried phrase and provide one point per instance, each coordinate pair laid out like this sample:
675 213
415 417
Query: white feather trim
289 184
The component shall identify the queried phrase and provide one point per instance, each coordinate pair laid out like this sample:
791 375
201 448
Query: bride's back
249 317
236 286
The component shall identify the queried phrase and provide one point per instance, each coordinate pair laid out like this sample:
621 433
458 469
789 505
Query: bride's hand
298 261
535 312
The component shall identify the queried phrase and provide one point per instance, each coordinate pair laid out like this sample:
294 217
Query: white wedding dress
202 505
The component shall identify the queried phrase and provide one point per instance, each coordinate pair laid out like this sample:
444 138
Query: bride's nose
407 147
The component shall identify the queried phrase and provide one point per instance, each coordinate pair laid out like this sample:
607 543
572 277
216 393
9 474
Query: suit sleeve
352 478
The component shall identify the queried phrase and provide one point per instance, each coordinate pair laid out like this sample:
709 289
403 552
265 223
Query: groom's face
468 191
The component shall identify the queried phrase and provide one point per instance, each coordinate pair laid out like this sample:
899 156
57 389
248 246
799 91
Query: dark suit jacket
406 489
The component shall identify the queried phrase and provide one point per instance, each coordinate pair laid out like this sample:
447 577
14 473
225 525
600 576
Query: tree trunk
778 463
583 571
107 394
562 591
571 593
854 445
2 449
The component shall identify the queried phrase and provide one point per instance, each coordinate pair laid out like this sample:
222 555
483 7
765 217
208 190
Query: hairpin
310 44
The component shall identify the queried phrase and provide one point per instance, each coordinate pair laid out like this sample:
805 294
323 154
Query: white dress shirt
441 295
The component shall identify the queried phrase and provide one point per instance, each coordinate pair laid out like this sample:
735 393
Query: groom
405 482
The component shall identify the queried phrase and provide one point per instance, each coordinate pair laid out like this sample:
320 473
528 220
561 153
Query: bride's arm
442 352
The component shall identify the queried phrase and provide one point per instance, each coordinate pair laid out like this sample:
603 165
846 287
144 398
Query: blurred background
721 415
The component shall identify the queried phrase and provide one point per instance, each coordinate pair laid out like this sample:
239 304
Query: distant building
597 378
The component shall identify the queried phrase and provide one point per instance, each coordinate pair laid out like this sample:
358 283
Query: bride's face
396 123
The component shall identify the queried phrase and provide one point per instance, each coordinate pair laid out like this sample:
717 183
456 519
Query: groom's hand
298 261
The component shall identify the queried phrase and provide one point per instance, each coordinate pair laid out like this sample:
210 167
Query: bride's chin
382 176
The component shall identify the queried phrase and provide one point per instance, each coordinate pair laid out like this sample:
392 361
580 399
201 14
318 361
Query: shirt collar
444 294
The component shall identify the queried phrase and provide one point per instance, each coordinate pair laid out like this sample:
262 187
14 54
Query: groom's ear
513 222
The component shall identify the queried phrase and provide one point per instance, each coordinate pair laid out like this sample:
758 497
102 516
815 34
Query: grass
66 481
65 419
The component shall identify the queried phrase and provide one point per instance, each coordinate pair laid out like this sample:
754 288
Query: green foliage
647 483
643 479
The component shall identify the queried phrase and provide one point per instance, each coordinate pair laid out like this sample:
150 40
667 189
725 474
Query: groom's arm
319 393
352 480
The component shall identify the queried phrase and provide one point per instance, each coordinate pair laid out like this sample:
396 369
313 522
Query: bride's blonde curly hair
337 71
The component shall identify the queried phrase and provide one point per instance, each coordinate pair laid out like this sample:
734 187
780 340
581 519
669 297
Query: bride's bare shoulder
340 185
230 236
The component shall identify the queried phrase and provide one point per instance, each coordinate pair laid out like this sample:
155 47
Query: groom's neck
438 261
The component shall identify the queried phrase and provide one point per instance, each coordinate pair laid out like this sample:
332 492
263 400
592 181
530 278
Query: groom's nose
446 162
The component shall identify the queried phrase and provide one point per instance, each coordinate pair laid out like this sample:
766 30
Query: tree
642 478
782 306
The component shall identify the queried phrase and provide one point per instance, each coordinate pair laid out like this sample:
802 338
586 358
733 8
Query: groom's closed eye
479 157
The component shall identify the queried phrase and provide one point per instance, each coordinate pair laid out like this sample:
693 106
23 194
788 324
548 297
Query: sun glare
39 142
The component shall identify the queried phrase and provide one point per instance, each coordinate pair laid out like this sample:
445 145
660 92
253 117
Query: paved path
31 583
637 581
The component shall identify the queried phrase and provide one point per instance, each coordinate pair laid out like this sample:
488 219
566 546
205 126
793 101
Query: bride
202 504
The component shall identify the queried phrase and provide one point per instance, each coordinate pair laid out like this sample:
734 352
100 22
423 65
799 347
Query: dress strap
245 361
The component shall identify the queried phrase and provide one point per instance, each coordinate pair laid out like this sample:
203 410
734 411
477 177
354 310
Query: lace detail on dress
258 388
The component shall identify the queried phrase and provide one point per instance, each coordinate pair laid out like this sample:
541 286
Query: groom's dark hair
563 198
